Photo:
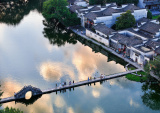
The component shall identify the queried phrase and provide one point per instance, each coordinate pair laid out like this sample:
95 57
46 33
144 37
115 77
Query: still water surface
33 54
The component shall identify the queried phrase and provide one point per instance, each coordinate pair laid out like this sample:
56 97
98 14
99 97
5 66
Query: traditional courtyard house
154 45
149 4
101 33
107 14
141 54
122 42
151 28
146 30
82 3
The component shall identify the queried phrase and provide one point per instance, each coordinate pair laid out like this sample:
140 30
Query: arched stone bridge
21 94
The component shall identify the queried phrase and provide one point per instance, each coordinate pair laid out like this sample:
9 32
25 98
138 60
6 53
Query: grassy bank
155 17
137 78
133 77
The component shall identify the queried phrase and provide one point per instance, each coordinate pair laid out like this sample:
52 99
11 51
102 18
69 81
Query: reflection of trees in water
57 34
151 96
12 12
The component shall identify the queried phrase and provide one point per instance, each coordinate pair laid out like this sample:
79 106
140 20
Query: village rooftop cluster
140 44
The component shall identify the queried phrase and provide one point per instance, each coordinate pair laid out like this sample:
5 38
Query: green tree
149 14
10 110
153 66
57 9
126 20
158 18
92 2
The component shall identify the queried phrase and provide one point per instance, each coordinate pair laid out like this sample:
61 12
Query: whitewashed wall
97 37
140 58
138 14
83 3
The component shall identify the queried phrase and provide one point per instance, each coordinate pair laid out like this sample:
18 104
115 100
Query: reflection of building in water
95 48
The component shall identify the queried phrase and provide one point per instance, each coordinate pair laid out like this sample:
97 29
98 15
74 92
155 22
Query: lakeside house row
148 4
107 14
140 44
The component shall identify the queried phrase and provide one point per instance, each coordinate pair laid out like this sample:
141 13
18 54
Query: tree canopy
57 9
149 14
126 20
158 18
153 66
57 34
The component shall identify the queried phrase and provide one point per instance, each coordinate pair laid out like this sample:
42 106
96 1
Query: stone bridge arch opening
28 95
27 90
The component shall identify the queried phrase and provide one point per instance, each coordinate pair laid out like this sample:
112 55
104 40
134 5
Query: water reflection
53 71
39 106
12 12
151 96
57 34
29 100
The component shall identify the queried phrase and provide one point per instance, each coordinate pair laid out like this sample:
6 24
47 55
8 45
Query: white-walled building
82 3
140 44
101 33
107 14
141 54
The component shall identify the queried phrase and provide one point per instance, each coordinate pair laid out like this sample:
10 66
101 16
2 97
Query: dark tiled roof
90 15
109 11
113 5
95 8
120 38
152 44
130 7
104 29
143 20
135 41
73 8
129 41
71 1
140 33
150 27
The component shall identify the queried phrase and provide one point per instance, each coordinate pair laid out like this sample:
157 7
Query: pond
41 54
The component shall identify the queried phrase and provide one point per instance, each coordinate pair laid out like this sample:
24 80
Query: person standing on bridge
88 78
60 86
73 81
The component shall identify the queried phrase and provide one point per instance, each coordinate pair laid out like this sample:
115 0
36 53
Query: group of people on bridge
64 83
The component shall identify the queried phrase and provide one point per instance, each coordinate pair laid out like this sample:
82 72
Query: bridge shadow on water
29 101
36 97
